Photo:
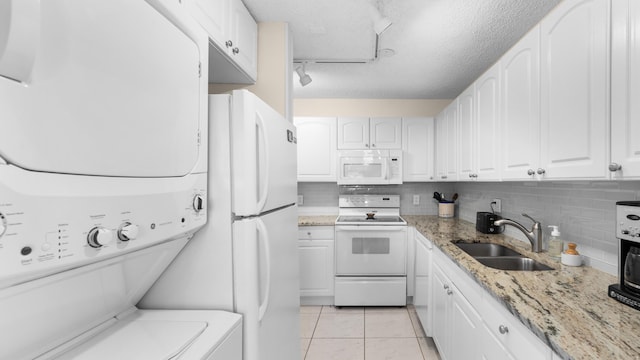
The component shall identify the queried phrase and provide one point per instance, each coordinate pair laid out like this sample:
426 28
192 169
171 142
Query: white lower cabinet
422 281
468 323
316 253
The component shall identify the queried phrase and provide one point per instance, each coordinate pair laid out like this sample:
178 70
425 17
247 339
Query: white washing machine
103 179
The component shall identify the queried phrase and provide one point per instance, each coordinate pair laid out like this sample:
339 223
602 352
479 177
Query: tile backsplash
584 210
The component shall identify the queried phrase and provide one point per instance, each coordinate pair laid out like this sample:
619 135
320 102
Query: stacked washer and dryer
103 179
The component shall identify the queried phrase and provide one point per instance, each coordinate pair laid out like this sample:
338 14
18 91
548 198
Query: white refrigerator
245 259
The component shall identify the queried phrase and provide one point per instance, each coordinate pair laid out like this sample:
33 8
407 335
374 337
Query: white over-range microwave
369 167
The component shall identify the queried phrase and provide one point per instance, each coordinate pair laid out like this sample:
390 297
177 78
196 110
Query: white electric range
371 251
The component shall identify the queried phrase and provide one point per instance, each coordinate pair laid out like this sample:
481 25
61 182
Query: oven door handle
371 227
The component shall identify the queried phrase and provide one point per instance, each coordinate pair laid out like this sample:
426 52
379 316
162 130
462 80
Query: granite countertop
567 308
317 220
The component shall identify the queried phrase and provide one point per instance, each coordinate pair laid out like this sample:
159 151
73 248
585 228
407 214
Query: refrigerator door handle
264 179
264 235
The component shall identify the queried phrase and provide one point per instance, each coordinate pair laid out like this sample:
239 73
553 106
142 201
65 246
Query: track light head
305 79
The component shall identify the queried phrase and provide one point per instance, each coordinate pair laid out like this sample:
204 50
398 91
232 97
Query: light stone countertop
567 308
317 220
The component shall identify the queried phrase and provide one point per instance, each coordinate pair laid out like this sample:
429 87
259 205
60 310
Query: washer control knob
198 203
128 231
99 237
3 224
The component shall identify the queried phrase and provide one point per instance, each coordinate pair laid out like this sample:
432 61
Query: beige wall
273 69
368 107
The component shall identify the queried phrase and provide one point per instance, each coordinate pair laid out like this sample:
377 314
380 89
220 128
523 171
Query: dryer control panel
52 222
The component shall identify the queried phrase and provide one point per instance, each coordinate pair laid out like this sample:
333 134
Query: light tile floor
359 333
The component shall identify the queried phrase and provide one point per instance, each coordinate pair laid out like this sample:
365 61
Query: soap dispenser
555 243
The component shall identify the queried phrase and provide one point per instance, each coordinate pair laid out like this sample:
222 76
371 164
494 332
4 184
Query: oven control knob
128 231
198 203
99 237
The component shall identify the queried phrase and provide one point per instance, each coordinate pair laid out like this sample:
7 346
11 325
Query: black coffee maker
627 291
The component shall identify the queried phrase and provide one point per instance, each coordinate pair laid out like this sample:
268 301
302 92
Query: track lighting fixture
305 79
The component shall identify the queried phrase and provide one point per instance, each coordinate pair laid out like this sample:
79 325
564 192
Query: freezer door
264 157
108 88
266 284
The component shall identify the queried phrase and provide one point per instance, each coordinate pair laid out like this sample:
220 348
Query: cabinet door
353 133
418 149
316 267
574 89
213 16
625 89
451 142
441 145
465 324
466 135
316 148
487 129
520 104
492 348
421 297
244 34
385 133
441 305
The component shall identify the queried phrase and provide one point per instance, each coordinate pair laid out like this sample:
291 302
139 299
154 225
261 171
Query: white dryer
103 179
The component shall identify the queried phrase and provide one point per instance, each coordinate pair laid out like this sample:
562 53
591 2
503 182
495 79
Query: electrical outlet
416 199
300 199
496 205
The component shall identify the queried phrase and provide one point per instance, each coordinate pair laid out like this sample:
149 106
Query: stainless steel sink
483 249
513 263
501 257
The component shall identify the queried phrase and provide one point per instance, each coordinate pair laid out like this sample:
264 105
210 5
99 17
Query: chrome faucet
534 236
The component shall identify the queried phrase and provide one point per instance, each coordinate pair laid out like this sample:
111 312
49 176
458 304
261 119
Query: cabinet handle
373 145
367 145
445 286
530 172
229 43
470 175
613 167
444 177
235 51
309 233
503 329
449 292
541 171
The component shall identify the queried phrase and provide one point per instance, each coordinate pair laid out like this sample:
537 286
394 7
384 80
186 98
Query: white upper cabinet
574 90
625 90
418 149
446 144
487 126
244 36
520 105
372 134
466 134
317 153
233 35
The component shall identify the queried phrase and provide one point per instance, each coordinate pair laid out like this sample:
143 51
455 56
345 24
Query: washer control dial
3 224
99 237
198 203
128 231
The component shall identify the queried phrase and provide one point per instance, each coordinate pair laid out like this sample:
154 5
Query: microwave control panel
628 220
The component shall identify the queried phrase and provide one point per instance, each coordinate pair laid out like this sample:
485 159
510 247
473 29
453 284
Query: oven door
371 250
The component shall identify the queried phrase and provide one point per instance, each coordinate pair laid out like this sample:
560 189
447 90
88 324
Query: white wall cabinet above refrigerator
575 90
625 90
369 133
317 144
418 149
233 37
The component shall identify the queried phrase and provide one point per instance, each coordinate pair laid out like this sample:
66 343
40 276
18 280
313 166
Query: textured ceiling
439 47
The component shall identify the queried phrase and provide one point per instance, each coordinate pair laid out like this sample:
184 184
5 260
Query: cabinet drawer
316 233
519 340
